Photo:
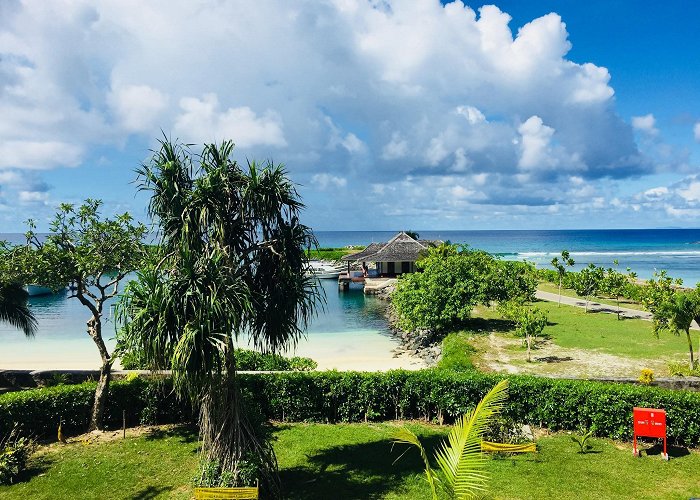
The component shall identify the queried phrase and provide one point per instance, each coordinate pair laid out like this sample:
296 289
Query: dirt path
501 353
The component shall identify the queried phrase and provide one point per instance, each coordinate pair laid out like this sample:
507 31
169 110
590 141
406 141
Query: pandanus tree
13 297
14 309
232 263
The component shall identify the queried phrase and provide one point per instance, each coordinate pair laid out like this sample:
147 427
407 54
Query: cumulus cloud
324 181
137 107
409 96
201 120
646 124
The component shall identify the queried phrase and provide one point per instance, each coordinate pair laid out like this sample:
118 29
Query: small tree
588 281
614 284
560 266
93 254
658 291
529 322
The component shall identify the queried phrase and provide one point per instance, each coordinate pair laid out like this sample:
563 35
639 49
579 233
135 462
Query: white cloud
201 120
32 197
536 137
364 93
396 148
472 114
138 107
39 155
646 124
325 181
691 193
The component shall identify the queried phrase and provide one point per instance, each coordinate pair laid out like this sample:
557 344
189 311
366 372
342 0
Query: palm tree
14 309
232 261
679 312
462 465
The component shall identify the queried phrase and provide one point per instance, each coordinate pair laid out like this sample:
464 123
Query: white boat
36 290
323 271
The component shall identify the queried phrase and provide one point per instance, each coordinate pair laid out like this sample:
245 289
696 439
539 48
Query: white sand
359 350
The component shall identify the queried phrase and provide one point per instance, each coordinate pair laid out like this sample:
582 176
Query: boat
36 290
323 271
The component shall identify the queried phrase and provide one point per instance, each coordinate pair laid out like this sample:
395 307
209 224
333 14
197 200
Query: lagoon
350 332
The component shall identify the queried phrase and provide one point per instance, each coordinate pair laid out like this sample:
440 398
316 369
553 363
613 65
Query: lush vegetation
320 461
439 395
453 280
330 253
457 352
246 360
93 254
15 451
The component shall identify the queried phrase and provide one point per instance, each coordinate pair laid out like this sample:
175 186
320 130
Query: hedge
38 411
353 397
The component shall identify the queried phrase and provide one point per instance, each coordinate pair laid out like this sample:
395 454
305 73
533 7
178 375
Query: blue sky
388 114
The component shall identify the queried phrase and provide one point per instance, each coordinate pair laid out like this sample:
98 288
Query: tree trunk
690 349
559 305
528 349
101 393
102 390
231 440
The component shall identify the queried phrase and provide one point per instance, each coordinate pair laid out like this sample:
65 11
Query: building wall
383 267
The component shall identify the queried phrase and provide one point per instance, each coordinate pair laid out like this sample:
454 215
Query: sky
387 114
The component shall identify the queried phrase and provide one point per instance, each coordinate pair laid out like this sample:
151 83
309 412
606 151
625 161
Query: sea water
351 332
644 251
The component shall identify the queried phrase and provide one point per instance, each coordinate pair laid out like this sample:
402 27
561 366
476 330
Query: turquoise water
348 332
351 332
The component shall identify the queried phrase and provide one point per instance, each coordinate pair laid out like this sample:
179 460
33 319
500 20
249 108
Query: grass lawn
354 461
572 327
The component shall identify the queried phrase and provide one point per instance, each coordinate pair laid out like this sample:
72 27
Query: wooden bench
245 493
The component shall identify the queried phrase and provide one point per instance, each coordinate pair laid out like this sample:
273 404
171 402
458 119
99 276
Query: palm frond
406 436
14 309
460 458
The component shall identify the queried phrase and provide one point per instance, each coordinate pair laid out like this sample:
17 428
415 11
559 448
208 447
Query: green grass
457 352
572 327
320 461
331 253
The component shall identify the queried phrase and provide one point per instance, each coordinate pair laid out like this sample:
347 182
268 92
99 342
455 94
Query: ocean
644 251
351 331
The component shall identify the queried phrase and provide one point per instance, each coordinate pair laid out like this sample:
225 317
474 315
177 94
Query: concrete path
598 307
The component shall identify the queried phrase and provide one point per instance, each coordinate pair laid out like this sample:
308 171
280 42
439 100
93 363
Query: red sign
649 422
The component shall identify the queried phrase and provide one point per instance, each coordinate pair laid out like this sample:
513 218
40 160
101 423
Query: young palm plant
462 466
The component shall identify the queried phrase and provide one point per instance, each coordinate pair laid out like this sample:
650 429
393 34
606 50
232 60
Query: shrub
14 453
647 376
38 411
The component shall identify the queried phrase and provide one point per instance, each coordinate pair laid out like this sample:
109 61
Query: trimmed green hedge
38 411
352 397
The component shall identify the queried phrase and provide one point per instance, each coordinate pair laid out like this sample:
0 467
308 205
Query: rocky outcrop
422 343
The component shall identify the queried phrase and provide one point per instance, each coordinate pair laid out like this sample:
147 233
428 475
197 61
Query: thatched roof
401 248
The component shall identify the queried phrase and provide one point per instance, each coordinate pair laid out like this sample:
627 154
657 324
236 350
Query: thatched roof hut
401 248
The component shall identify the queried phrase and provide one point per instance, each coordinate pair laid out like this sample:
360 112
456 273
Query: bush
38 411
353 397
14 453
246 360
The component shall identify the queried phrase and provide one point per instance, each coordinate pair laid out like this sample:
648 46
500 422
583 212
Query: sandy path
505 354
